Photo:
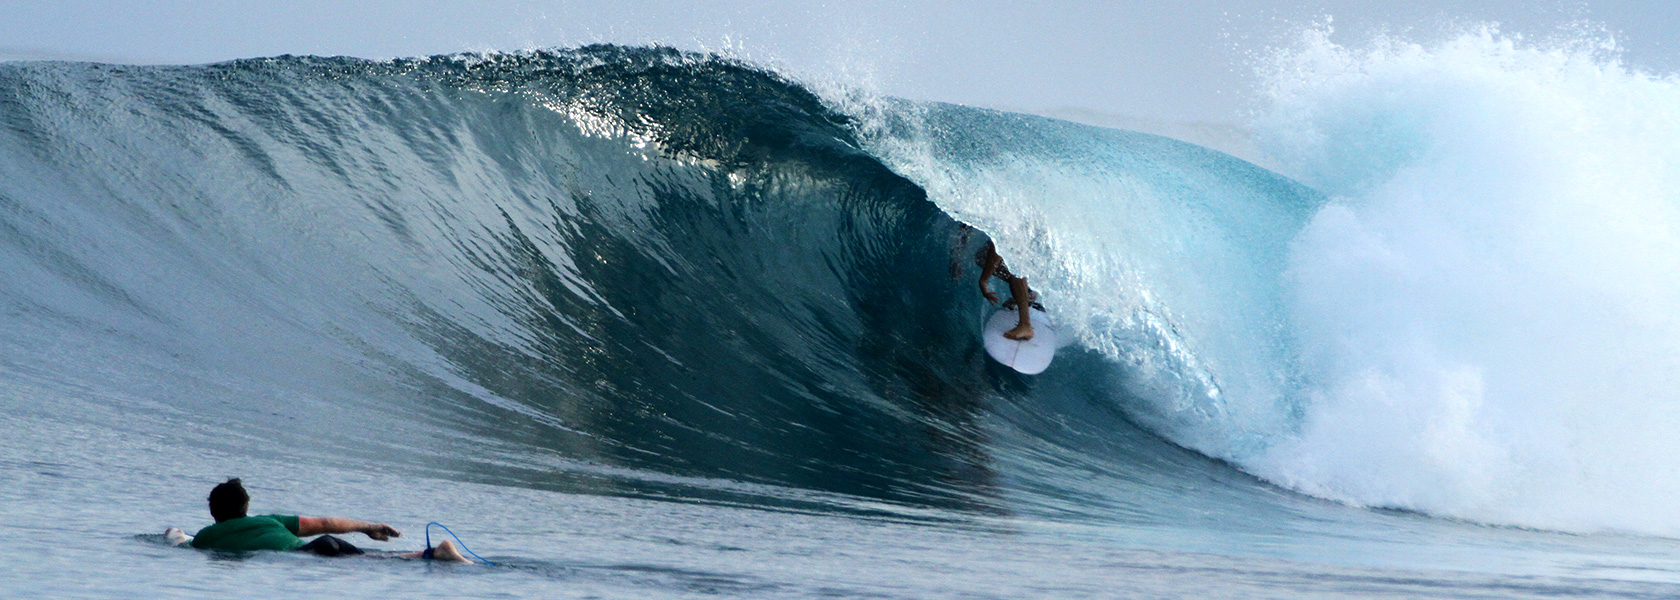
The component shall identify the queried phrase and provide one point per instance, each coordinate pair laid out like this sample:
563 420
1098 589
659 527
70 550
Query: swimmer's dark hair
229 500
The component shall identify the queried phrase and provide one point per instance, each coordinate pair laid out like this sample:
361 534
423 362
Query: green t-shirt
265 532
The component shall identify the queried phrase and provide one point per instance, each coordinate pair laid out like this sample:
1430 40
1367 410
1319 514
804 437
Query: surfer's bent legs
992 264
1023 330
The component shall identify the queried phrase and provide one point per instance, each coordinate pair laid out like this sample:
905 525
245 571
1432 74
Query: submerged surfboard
1030 357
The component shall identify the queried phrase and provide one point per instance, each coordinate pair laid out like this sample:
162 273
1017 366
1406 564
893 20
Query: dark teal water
638 323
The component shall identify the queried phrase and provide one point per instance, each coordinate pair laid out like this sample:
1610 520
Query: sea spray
1488 310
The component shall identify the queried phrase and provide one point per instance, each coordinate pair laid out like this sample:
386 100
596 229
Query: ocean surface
641 323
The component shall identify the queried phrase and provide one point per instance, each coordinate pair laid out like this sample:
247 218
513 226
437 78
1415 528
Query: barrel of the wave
1030 356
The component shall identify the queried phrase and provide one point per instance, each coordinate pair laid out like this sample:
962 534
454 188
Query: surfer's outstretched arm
308 526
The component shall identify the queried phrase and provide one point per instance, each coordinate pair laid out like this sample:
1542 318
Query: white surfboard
1030 357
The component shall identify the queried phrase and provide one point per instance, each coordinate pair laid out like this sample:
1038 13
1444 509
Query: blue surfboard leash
428 552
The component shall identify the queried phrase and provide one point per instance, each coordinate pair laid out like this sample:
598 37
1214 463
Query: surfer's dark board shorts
1002 271
327 545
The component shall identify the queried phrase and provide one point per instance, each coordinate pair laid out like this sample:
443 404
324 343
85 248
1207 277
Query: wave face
638 271
630 258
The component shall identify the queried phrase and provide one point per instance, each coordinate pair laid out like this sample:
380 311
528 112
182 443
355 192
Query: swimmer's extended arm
992 262
308 526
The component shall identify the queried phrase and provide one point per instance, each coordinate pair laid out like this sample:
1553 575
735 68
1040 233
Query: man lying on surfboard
234 530
1022 296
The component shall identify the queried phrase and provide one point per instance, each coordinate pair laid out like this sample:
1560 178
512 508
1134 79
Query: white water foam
1488 310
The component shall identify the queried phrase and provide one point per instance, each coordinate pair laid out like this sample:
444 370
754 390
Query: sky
1168 60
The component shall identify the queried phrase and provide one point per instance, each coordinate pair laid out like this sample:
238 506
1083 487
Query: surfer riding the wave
1021 297
1008 334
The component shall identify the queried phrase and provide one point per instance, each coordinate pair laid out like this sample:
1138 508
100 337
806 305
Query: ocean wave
613 268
